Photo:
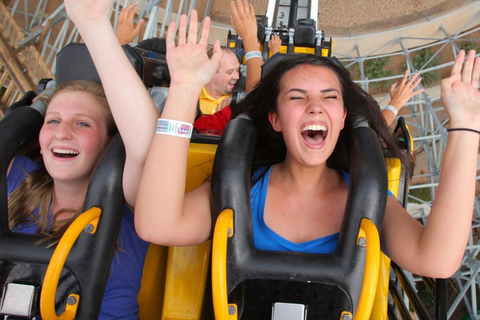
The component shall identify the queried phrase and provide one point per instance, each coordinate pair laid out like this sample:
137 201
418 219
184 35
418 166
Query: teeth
314 127
63 151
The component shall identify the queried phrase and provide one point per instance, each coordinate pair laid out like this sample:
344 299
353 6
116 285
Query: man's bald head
227 75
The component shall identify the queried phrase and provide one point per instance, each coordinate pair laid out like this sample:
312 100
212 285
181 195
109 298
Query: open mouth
314 134
64 153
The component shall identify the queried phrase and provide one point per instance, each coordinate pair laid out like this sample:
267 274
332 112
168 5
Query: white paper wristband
174 128
391 108
253 54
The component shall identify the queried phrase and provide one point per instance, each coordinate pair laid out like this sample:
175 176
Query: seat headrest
262 21
305 33
74 63
278 57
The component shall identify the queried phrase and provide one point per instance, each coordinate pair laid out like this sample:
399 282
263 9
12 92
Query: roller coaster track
33 31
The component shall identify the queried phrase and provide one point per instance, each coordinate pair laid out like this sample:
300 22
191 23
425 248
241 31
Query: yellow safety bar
224 226
52 275
223 230
372 266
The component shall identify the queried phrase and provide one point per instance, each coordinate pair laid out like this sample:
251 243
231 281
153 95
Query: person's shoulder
23 164
21 167
260 173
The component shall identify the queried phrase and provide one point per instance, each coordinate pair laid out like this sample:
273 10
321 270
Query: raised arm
400 93
437 249
244 22
164 215
133 109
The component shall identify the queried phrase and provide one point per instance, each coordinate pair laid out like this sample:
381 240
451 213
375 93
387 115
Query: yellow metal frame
380 306
394 169
370 276
181 304
185 282
151 295
54 269
175 278
223 230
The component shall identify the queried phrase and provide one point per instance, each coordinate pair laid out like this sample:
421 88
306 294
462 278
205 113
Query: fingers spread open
476 73
416 82
242 7
246 7
405 76
252 10
233 8
171 36
205 31
467 67
192 27
217 52
413 78
457 66
182 30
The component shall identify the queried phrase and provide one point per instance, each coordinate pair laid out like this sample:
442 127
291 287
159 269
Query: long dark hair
271 148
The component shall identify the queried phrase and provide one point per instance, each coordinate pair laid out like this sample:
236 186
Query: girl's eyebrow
77 114
321 91
330 90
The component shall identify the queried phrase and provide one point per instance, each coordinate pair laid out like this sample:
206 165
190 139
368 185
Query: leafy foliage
467 46
423 194
422 61
375 69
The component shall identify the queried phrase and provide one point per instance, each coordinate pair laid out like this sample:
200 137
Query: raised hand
460 94
127 31
275 43
188 62
244 22
401 92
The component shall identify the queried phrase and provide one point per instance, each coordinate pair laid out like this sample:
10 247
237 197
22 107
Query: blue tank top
120 297
266 239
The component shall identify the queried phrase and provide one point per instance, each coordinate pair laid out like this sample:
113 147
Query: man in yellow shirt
216 94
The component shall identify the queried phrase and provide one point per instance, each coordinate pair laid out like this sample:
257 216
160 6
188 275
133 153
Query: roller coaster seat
303 38
240 271
174 284
305 33
268 66
258 272
167 272
151 67
88 262
247 282
174 279
235 42
25 262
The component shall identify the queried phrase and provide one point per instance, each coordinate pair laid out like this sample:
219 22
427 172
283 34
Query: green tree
467 46
420 63
375 69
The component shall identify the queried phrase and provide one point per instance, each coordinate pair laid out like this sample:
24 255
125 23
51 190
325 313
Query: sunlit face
73 136
227 75
310 113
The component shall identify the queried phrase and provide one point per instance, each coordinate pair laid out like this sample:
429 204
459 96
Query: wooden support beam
14 68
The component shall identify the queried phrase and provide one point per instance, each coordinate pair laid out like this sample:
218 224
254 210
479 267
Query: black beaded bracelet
463 129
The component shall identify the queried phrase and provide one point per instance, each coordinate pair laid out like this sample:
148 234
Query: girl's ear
344 117
275 121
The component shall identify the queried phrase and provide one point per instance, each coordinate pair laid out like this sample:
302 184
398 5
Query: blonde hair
36 191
